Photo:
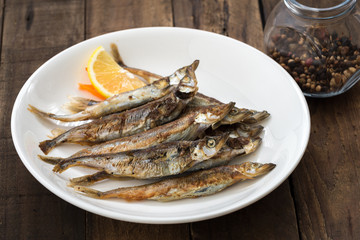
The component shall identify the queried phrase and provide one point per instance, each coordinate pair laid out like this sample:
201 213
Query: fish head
208 146
179 74
254 169
212 114
246 130
187 88
234 116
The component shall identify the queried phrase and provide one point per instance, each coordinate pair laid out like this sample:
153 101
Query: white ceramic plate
229 70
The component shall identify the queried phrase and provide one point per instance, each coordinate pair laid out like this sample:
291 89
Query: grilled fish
197 184
162 160
125 100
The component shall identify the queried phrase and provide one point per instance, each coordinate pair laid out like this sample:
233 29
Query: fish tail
89 179
195 65
78 104
116 55
64 164
38 112
51 160
47 145
89 191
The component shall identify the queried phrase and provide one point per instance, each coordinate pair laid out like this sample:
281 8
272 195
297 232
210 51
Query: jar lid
320 13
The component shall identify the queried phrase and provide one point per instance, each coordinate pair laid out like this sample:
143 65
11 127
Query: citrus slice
107 77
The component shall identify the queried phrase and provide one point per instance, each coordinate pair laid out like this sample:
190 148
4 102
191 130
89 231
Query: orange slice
107 77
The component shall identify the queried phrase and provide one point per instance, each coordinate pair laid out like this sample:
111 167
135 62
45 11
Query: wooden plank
326 182
32 33
274 216
100 228
124 15
270 218
238 19
112 15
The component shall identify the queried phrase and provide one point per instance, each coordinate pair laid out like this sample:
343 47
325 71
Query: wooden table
320 200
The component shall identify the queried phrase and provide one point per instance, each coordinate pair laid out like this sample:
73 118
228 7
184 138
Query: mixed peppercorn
320 64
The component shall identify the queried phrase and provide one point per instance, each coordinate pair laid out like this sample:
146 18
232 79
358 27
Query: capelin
213 114
209 147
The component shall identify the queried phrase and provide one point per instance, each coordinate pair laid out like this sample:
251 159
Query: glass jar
318 45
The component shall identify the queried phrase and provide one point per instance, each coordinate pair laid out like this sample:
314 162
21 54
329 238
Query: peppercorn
323 68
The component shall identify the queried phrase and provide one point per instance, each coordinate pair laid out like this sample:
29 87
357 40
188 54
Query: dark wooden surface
320 200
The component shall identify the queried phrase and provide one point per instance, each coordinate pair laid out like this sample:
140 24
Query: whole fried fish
162 160
197 184
123 101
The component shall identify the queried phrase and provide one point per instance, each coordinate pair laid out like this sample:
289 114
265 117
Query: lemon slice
107 77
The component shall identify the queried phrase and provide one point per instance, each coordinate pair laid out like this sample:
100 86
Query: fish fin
51 160
88 191
116 55
56 132
78 104
89 179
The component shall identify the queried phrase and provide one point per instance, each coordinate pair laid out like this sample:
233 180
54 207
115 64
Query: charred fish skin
123 101
142 118
187 127
197 184
162 160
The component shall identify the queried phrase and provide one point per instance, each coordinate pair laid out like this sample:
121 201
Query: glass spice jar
318 45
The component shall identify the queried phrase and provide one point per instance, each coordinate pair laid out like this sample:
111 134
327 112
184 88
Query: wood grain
272 217
112 15
238 19
32 33
326 182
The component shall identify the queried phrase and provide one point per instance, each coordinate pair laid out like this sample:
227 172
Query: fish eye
211 143
234 111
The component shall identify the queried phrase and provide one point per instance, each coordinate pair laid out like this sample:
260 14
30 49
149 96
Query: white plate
229 70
